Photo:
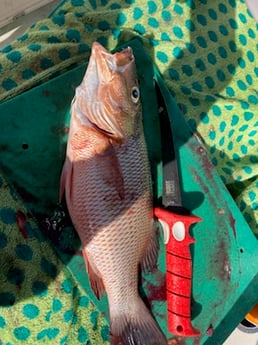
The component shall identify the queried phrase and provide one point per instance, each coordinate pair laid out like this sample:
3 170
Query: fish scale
133 163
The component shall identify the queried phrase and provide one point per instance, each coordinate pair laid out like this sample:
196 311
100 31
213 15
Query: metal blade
171 187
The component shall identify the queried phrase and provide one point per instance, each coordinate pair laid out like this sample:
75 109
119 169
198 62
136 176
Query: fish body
106 178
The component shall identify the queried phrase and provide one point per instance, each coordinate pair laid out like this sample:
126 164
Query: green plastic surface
34 132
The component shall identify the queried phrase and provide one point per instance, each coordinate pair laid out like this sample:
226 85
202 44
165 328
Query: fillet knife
175 221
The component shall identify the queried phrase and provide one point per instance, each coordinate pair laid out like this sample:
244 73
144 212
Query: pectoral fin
111 171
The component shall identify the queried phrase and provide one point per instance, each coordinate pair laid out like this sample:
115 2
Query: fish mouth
107 63
89 105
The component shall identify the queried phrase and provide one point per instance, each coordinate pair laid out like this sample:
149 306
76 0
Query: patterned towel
40 301
206 51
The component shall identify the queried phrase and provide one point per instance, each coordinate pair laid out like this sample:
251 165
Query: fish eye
135 94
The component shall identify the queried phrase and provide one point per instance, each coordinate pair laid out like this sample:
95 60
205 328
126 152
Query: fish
106 180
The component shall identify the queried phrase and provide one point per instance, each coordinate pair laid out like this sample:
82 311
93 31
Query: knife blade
176 221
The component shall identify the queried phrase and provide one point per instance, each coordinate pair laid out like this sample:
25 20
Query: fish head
108 98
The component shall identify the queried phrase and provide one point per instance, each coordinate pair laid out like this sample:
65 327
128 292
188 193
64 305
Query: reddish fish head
108 98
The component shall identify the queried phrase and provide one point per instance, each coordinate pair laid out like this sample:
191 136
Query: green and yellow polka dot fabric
40 301
206 51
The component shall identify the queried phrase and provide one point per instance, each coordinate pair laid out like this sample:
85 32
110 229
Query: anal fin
96 281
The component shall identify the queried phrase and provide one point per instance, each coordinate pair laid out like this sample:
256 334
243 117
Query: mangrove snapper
106 178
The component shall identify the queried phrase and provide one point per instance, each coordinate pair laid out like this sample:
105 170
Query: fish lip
101 56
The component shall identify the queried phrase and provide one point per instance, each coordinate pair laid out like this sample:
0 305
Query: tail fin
136 326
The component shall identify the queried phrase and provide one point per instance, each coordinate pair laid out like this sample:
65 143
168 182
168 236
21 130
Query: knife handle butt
179 270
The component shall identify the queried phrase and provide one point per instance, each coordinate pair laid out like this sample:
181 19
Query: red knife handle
179 270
